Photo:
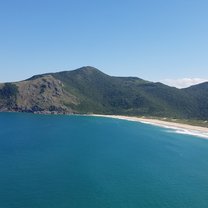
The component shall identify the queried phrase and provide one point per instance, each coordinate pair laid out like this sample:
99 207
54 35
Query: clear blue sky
151 39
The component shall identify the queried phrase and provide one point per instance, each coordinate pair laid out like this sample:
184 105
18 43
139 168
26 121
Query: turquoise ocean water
91 162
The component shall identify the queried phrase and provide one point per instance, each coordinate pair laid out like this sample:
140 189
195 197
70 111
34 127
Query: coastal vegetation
88 90
8 95
8 91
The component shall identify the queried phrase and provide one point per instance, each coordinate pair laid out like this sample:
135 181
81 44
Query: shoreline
174 127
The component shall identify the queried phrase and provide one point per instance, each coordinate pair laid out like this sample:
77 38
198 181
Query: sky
157 40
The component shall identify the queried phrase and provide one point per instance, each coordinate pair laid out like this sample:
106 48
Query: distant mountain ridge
88 90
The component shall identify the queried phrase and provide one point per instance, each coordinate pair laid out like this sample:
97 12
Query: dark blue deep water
90 162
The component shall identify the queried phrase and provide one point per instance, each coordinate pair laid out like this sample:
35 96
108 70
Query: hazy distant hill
88 90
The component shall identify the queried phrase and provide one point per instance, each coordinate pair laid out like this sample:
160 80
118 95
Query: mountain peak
89 90
88 69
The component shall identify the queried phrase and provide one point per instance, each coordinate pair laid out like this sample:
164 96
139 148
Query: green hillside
88 90
200 94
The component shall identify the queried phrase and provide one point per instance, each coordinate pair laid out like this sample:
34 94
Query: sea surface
51 161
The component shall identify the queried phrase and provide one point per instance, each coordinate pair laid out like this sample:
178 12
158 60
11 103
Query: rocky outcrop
42 95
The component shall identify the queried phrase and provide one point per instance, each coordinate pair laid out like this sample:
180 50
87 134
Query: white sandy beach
180 128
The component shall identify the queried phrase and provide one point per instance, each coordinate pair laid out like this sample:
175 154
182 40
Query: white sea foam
189 132
178 130
200 132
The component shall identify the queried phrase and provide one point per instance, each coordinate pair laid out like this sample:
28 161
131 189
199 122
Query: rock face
44 94
88 90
